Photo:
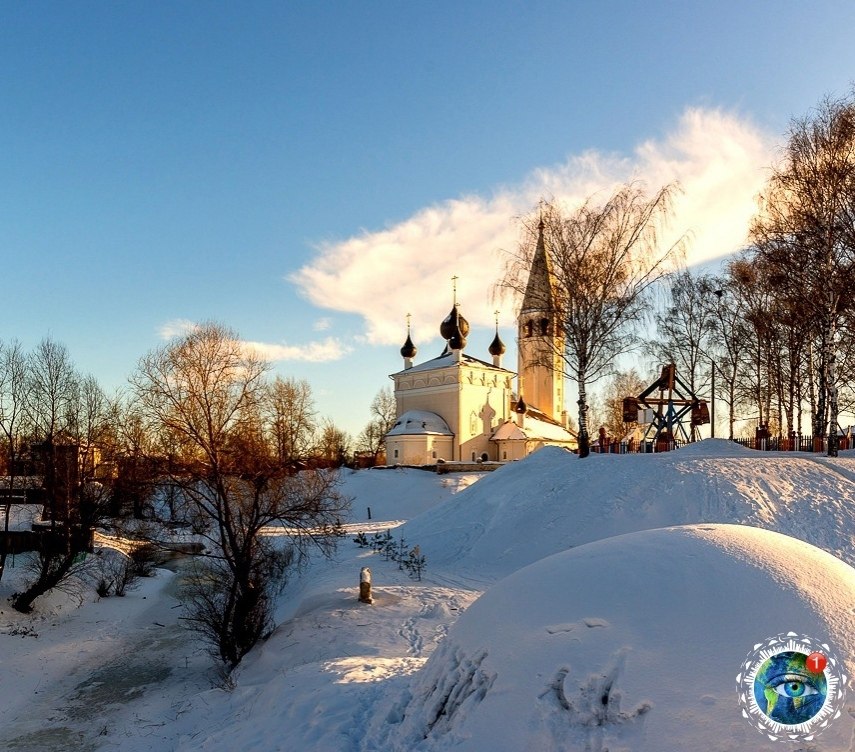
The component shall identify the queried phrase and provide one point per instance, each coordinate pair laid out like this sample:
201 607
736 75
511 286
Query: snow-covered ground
665 618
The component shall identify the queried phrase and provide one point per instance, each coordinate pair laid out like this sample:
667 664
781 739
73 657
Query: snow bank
552 501
398 494
630 643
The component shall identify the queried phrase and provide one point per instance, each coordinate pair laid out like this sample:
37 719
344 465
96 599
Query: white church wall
418 449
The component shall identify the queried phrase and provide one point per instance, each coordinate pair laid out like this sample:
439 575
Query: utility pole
718 294
712 399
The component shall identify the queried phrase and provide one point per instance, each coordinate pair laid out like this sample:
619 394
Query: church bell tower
541 374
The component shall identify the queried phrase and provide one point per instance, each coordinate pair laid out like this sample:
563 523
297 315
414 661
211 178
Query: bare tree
683 327
370 439
384 409
605 258
753 297
50 390
205 394
383 414
729 341
806 229
13 382
70 422
292 417
622 384
137 462
332 444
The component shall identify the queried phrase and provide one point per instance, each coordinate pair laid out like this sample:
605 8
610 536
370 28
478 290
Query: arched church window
544 326
529 328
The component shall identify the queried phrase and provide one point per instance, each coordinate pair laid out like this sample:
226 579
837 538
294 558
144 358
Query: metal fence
636 447
793 443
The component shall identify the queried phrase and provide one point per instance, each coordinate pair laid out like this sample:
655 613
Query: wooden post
365 586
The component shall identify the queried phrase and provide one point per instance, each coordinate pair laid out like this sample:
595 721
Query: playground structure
664 406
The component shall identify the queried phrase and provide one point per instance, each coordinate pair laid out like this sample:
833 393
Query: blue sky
309 173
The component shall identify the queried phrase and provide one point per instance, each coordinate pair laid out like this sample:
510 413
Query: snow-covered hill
628 643
552 501
659 608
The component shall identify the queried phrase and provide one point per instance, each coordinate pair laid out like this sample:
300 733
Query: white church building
456 407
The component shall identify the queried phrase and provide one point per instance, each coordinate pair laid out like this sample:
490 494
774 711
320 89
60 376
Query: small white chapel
458 408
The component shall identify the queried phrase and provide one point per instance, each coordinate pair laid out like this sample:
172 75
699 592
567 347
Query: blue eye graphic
786 691
794 686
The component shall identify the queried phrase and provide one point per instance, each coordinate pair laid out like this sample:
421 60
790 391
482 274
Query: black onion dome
497 347
409 350
451 323
521 406
464 326
457 341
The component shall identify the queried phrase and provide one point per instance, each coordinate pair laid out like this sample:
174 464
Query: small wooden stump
365 586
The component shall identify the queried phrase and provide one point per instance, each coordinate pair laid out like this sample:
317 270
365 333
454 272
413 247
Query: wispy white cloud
176 328
718 158
311 352
323 324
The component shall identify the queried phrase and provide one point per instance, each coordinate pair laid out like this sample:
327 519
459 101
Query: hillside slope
628 643
553 501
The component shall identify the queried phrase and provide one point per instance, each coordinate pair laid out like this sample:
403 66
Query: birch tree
605 257
806 228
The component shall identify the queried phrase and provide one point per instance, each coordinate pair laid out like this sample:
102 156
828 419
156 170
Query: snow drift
630 643
552 501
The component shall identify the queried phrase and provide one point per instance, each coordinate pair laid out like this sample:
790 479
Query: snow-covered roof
419 423
533 429
447 360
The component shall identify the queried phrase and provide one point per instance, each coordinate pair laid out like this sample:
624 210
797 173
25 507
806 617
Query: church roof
448 359
420 423
533 429
539 292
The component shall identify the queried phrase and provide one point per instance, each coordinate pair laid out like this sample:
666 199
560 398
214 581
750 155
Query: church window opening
529 328
504 455
544 326
396 454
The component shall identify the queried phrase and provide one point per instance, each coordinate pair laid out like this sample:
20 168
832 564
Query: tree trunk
832 394
54 569
584 440
5 550
820 416
814 408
